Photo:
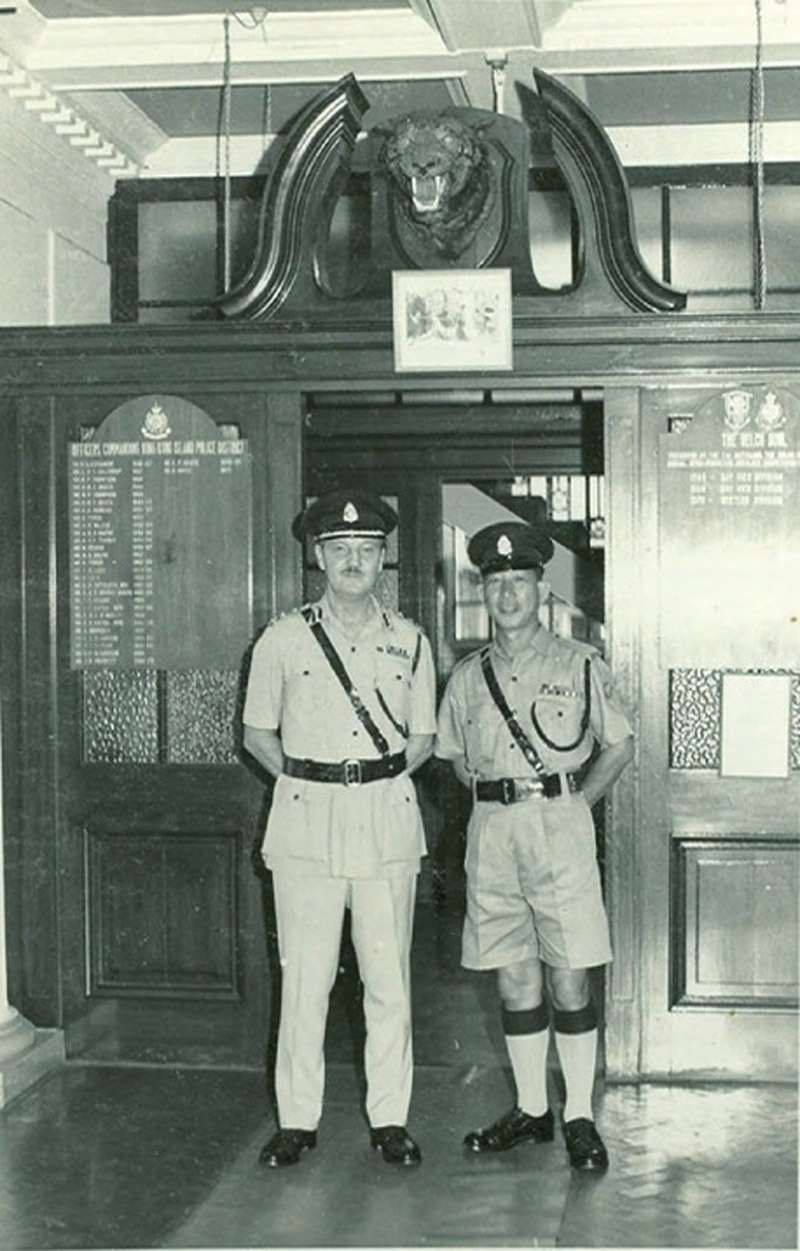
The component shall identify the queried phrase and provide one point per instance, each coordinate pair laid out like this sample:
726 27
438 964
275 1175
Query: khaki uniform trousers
310 915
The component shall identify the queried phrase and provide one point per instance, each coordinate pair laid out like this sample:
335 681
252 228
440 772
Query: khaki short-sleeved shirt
365 831
545 686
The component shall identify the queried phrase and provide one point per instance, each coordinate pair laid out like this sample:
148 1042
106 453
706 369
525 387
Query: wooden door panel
163 913
714 928
163 955
705 802
737 905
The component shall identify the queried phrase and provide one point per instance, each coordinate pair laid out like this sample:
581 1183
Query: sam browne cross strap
520 737
349 772
506 790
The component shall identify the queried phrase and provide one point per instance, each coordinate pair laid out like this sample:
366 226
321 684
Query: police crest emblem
770 415
504 545
737 409
156 423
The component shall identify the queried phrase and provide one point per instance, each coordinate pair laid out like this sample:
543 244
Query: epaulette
577 646
473 657
310 613
389 613
288 613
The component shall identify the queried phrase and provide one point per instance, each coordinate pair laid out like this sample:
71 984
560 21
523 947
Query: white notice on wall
755 725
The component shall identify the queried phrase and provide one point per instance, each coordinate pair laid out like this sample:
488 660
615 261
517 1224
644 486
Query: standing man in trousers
534 727
340 710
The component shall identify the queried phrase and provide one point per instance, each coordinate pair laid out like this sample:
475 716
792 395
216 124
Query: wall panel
162 914
739 907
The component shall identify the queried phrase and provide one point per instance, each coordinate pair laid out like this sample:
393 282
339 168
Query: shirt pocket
558 719
297 825
482 724
311 687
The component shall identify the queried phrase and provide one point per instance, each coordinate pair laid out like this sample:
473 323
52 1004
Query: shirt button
352 649
355 733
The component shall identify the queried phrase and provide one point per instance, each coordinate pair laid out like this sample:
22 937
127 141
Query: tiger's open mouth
427 192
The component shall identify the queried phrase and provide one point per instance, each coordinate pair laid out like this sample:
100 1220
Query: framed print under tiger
447 319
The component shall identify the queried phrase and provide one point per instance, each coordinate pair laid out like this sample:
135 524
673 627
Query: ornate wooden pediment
446 190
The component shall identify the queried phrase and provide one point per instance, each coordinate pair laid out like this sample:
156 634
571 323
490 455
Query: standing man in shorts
534 727
340 710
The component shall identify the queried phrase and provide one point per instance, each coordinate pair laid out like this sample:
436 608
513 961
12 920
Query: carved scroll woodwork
290 270
597 182
298 200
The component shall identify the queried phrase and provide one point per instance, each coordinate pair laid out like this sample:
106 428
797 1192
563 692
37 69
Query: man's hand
605 770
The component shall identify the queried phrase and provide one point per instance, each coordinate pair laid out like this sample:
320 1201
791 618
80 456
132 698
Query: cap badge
350 513
504 545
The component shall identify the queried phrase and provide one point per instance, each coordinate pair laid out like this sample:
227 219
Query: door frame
613 356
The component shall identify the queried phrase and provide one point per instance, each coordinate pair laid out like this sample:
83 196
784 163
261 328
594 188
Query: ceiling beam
559 36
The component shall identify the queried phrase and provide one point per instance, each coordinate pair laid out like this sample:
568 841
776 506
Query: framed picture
447 319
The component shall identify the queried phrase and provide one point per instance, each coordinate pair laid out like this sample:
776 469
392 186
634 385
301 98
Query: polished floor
112 1157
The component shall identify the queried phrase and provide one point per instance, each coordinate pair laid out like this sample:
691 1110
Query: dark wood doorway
450 467
137 818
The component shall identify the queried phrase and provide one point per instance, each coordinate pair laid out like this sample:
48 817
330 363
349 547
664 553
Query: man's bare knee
568 988
521 985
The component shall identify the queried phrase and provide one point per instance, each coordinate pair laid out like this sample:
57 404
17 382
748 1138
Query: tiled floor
102 1157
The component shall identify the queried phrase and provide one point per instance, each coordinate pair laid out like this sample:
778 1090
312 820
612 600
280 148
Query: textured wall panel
695 718
201 714
120 716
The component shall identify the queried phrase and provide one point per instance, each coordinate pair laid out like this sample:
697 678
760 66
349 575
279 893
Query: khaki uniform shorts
533 886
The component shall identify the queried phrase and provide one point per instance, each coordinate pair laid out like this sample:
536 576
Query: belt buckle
529 788
509 791
352 772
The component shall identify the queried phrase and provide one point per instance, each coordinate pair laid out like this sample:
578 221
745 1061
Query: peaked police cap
509 545
354 513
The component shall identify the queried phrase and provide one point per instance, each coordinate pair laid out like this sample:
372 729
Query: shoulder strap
417 653
523 742
334 660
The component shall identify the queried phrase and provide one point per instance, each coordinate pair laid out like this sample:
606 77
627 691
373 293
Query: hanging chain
756 155
226 178
497 62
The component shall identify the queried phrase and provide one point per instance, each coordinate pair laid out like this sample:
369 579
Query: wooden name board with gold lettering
160 541
729 528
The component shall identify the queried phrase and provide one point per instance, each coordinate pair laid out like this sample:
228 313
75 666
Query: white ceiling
669 79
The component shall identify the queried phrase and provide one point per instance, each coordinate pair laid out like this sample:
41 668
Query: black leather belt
345 772
514 790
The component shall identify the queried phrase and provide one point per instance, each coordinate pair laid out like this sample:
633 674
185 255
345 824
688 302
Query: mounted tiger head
439 176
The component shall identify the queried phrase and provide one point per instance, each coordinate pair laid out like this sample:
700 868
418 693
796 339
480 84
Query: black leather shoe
287 1146
512 1127
584 1145
395 1145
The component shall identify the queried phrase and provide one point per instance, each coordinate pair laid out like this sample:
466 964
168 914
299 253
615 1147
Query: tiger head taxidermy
440 178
